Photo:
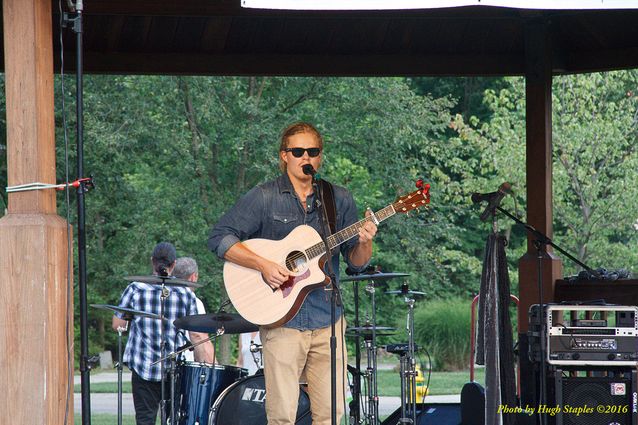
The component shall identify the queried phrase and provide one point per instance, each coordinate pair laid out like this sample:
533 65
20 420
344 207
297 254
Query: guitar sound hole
296 261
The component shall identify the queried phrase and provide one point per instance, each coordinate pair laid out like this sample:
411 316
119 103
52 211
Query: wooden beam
298 64
36 316
600 61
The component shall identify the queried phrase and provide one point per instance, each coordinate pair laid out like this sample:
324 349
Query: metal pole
84 338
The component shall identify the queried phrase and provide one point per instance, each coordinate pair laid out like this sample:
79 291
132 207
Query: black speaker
595 400
431 414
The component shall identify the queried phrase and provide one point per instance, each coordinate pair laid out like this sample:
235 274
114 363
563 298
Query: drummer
144 341
186 269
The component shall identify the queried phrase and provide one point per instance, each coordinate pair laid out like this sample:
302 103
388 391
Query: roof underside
218 37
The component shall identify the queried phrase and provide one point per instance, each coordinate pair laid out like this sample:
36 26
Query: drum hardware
255 350
378 278
172 358
212 322
366 331
369 332
164 281
129 314
408 361
188 346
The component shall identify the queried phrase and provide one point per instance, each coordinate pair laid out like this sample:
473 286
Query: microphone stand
335 297
76 23
355 412
540 243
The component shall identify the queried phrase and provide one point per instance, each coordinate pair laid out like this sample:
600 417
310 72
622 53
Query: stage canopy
220 37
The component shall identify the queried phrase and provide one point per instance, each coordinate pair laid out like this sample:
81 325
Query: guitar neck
349 232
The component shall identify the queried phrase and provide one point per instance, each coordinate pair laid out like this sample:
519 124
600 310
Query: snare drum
199 386
242 403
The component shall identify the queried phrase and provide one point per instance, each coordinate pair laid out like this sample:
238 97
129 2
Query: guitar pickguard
286 288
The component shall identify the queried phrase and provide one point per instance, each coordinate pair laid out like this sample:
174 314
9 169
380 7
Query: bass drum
243 404
199 385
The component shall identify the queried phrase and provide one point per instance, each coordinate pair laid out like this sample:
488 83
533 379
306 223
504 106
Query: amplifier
592 335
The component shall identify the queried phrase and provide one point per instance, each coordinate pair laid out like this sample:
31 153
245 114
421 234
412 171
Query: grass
105 419
441 383
105 387
443 326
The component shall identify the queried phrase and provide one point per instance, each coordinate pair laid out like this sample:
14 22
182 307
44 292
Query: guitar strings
319 248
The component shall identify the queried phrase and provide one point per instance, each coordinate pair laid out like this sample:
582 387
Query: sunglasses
298 152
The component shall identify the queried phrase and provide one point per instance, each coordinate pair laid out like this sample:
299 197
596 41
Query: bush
443 327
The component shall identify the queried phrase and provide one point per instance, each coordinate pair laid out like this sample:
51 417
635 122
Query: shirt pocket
282 224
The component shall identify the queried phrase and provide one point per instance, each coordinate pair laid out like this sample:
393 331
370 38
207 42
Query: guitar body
255 300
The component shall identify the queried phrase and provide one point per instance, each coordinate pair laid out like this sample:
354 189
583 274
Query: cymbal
210 323
408 292
166 280
375 277
366 331
127 312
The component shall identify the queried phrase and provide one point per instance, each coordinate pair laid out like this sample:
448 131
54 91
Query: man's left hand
367 231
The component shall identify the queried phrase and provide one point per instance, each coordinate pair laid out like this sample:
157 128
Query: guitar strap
329 201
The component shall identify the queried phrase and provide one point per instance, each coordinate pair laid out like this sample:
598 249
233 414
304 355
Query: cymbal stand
163 296
408 372
120 330
371 349
174 354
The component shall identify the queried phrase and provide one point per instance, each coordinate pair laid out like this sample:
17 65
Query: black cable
427 383
67 199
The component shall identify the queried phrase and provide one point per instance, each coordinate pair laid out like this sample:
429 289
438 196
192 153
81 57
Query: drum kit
214 394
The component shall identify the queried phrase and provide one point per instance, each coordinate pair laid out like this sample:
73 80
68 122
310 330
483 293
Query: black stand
335 298
163 296
355 411
540 242
119 372
76 23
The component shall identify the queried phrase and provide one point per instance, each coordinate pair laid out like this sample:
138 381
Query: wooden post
36 319
538 92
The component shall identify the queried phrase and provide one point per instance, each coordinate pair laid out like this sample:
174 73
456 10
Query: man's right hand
274 274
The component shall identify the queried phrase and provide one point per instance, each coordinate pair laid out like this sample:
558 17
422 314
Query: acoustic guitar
302 252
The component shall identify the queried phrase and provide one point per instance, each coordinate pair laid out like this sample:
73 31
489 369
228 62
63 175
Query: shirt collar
285 185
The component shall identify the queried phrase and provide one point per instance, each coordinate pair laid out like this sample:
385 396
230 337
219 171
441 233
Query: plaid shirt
143 345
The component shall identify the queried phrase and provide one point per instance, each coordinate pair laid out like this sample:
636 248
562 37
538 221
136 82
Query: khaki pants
290 354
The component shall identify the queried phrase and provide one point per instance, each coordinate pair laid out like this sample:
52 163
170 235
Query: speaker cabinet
595 400
431 414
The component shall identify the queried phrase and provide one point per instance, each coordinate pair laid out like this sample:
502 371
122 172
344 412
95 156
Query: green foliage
171 154
443 327
595 129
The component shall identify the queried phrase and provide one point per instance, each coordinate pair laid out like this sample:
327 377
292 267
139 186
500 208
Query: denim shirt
271 211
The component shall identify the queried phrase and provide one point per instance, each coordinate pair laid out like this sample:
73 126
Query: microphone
308 170
493 199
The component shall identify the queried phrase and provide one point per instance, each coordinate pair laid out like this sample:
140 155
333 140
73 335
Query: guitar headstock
417 199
